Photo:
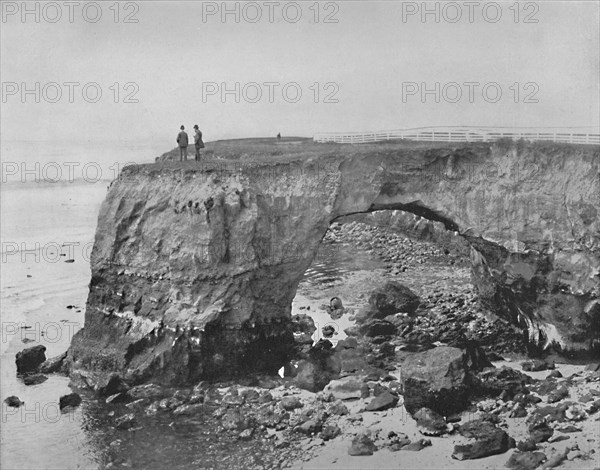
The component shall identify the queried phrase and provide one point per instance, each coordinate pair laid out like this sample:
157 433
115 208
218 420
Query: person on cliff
182 140
198 142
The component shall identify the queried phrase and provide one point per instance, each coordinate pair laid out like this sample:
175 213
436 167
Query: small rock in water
34 379
29 359
72 399
362 445
13 401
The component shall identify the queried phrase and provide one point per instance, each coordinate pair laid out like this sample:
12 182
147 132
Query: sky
299 68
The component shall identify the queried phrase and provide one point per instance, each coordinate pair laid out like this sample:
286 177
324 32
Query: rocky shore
424 377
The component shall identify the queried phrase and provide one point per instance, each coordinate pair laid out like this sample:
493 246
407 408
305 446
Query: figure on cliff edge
182 140
198 142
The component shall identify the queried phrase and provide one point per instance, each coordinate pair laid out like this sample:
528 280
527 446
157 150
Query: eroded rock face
194 268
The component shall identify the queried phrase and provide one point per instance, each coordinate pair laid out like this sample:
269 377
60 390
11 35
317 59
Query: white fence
569 135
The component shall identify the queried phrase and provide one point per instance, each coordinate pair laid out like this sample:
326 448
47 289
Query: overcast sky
356 68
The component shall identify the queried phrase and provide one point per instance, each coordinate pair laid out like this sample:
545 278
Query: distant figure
182 140
279 136
198 142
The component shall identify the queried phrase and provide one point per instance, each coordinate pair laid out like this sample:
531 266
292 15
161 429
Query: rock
125 422
111 385
496 442
54 364
246 434
310 426
556 460
189 410
382 402
436 379
535 365
330 432
233 420
250 395
34 379
503 380
518 412
430 423
255 291
147 391
72 399
555 374
392 298
328 331
527 445
373 328
558 438
29 359
338 408
417 445
347 388
314 375
291 403
540 431
525 460
559 394
575 413
121 397
362 445
13 401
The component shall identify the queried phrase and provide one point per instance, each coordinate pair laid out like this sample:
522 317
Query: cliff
195 265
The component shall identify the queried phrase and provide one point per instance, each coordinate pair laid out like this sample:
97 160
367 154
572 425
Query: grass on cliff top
247 152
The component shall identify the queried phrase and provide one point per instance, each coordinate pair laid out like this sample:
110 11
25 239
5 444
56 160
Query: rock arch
194 268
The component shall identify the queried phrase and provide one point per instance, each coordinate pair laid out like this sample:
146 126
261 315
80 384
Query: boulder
382 402
72 399
330 432
375 327
437 379
392 298
362 445
54 364
539 431
417 445
346 388
125 422
29 359
430 423
34 379
525 460
13 401
110 385
291 403
493 441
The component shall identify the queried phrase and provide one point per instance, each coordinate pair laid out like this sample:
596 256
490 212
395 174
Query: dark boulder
29 359
539 431
72 399
437 379
489 440
13 401
111 385
392 298
372 328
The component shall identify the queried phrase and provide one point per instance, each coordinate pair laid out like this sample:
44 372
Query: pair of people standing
182 140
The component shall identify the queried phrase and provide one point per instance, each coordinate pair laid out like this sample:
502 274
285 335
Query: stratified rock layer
195 266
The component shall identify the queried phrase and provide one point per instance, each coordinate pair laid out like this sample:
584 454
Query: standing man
198 142
182 140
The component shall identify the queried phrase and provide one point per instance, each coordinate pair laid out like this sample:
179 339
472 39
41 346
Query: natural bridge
195 265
